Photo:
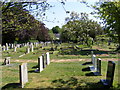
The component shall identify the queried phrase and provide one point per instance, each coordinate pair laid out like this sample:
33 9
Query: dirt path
64 60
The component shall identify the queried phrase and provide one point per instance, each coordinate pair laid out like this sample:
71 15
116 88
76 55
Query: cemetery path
65 60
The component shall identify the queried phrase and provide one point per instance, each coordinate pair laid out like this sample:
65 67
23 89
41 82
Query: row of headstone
96 69
23 72
43 61
8 46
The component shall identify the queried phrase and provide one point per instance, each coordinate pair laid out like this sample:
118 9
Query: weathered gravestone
6 61
32 47
98 71
15 49
110 74
47 58
7 46
40 64
3 49
43 58
23 74
28 50
92 56
94 61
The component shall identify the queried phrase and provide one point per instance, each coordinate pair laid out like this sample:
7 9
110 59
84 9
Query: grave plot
58 75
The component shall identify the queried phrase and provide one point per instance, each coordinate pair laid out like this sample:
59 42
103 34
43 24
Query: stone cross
23 74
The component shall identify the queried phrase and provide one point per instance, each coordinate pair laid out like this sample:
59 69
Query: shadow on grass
93 74
86 69
76 84
87 63
33 71
35 66
84 52
11 85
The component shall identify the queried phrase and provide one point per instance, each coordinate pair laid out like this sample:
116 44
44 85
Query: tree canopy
19 25
80 29
109 12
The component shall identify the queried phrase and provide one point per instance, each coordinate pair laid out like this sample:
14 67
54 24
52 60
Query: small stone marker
3 48
98 71
47 58
92 56
28 50
94 61
110 74
7 61
15 48
40 63
32 47
7 46
23 74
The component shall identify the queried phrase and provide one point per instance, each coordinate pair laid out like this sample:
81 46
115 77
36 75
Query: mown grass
63 51
62 74
58 75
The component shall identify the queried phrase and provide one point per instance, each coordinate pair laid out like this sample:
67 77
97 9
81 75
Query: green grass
62 74
58 75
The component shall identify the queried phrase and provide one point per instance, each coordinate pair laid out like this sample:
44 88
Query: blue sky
56 15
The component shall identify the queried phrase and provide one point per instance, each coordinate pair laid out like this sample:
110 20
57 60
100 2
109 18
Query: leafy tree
18 25
56 29
81 29
109 12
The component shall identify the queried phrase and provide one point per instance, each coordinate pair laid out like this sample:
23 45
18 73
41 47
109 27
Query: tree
56 29
109 12
81 29
18 25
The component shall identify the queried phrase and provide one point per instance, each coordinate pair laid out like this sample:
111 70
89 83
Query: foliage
81 29
18 25
56 29
109 12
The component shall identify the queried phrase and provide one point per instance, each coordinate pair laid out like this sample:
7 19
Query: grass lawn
58 74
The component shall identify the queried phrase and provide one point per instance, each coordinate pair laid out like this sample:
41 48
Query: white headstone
32 48
6 46
23 74
28 50
40 64
47 58
15 48
3 48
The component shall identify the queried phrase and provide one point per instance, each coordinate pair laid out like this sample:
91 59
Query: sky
56 15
